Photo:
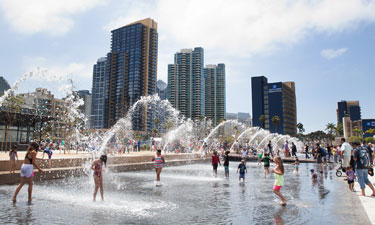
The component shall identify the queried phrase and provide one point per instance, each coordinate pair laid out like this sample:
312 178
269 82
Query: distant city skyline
328 53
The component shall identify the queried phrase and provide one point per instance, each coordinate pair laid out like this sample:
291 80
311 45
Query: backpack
323 152
364 158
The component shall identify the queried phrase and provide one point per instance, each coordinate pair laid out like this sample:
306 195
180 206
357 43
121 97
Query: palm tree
275 121
300 128
262 119
331 129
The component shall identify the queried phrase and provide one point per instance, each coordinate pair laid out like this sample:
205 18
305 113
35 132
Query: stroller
340 170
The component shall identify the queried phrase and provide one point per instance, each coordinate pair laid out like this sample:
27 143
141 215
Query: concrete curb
59 173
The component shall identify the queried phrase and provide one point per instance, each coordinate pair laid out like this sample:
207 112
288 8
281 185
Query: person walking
362 162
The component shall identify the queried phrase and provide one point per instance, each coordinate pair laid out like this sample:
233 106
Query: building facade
132 70
274 99
4 85
85 95
348 109
99 104
161 89
215 107
186 83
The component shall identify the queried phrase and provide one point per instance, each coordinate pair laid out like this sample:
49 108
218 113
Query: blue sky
326 47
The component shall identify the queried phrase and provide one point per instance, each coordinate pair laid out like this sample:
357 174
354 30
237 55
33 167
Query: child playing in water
97 166
226 164
266 160
260 158
314 176
296 165
279 178
215 162
159 162
242 168
350 176
12 158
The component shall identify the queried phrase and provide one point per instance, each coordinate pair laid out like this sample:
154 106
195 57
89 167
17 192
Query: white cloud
332 53
247 27
51 16
230 30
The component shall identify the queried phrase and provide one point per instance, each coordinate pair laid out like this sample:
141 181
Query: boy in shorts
243 170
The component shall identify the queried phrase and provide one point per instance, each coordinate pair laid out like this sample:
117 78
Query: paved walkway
367 202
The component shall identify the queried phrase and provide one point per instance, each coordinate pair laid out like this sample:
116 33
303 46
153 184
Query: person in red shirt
215 162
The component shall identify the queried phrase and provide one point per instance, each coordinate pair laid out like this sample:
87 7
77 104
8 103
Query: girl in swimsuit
97 166
159 161
27 169
12 158
279 178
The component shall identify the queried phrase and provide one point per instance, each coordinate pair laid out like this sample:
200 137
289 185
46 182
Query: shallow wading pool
189 195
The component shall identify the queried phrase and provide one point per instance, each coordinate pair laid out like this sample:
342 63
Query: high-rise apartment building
186 82
99 105
348 109
274 99
132 70
215 108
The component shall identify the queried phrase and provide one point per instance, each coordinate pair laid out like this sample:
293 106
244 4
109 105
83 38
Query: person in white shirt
346 152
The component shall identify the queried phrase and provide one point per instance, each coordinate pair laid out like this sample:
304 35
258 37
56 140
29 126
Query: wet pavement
189 195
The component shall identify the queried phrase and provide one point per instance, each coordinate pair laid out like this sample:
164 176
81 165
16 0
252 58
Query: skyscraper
186 82
132 70
274 99
348 109
99 106
215 108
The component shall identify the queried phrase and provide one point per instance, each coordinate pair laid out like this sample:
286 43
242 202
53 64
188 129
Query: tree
331 129
154 131
355 139
300 128
357 132
262 119
370 131
369 140
340 129
13 104
275 121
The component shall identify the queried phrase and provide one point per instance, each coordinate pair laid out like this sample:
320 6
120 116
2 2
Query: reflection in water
278 216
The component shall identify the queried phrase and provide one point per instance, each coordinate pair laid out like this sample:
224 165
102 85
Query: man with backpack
362 161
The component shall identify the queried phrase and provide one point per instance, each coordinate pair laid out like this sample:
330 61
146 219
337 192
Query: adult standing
286 149
318 156
27 170
139 145
307 151
346 152
294 150
362 162
270 148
